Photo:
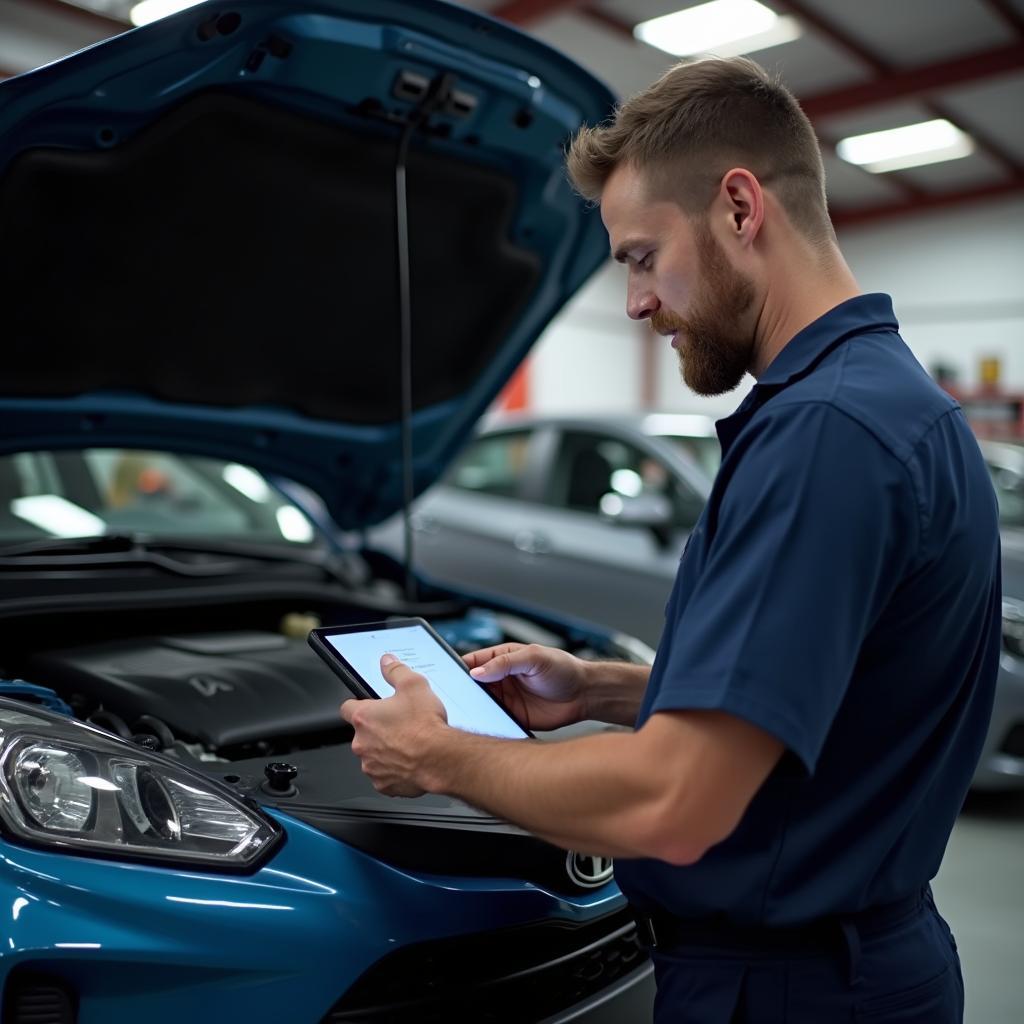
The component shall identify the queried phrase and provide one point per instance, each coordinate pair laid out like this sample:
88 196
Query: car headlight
67 784
1013 627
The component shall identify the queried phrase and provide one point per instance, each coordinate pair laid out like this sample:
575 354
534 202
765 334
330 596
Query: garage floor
980 891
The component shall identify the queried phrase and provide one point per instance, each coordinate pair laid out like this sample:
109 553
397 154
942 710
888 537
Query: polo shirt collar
854 316
858 315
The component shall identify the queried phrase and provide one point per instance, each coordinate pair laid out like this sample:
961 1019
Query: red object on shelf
993 413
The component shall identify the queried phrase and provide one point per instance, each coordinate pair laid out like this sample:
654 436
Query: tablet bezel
362 689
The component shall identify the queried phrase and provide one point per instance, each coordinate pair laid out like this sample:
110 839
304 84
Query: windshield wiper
127 548
103 544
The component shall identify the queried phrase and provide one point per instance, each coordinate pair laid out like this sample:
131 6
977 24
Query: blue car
260 260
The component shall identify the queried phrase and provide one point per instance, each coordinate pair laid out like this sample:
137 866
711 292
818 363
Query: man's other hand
541 687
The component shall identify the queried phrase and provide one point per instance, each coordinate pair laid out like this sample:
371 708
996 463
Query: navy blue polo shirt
842 592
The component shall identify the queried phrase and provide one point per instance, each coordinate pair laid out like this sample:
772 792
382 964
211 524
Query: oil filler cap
280 778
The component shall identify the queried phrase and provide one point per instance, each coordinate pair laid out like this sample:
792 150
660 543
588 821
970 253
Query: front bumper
131 942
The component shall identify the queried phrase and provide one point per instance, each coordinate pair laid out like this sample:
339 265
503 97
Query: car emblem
587 871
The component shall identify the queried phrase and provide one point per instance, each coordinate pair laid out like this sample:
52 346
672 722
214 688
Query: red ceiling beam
609 21
935 201
1009 60
891 84
809 16
521 12
916 82
93 19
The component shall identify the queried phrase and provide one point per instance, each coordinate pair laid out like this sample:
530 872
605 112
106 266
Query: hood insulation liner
234 253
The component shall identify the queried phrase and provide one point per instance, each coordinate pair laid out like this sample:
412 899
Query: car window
493 464
589 466
1009 486
99 491
706 452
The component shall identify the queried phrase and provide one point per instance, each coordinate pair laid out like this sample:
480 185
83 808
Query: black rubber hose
157 728
108 720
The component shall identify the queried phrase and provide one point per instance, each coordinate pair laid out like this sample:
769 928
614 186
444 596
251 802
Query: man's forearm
614 691
587 793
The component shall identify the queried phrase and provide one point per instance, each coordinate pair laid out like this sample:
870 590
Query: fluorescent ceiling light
58 516
725 28
926 143
152 10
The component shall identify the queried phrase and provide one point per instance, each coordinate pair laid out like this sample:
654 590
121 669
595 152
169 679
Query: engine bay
223 695
246 701
228 694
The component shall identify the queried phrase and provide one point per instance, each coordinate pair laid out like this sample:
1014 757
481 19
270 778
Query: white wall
957 281
956 277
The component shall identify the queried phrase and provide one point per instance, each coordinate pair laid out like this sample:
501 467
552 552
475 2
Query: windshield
95 492
705 451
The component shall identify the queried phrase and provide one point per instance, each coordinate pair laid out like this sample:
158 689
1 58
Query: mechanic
823 685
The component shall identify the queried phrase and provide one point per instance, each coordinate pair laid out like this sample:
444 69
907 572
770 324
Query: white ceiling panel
951 175
908 33
810 65
849 186
995 107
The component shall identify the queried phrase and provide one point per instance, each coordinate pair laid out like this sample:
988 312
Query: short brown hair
693 124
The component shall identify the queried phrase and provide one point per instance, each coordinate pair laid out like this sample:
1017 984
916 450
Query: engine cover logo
207 687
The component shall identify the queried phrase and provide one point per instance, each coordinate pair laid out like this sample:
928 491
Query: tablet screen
469 707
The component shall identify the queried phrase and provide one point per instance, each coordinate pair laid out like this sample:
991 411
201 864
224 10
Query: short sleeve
811 535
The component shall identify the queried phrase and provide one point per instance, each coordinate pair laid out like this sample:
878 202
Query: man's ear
742 198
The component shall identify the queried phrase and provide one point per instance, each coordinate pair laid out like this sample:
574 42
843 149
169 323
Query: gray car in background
1002 762
584 514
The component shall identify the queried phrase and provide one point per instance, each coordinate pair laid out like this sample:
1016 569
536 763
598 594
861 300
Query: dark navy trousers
908 973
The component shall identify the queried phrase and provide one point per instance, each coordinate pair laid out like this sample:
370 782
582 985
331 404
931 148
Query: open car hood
199 236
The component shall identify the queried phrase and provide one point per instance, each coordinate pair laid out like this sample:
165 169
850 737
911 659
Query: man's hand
541 687
392 736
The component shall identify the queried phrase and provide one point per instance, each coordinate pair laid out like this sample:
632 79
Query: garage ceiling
857 67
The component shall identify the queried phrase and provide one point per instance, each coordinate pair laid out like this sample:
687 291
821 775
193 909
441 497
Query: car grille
31 998
1013 745
504 977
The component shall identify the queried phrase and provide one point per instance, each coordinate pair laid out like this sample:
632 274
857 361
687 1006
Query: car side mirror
651 511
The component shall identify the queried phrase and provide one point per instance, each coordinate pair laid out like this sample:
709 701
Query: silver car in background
588 515
1002 761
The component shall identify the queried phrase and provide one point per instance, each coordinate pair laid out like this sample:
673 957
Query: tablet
354 653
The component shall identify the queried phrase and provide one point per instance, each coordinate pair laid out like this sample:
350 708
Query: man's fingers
348 709
477 658
397 673
511 663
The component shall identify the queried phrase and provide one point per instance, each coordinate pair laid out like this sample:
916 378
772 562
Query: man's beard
715 350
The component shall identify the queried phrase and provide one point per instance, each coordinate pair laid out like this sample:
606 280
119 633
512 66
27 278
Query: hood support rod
436 95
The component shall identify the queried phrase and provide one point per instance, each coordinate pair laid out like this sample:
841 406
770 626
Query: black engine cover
220 689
